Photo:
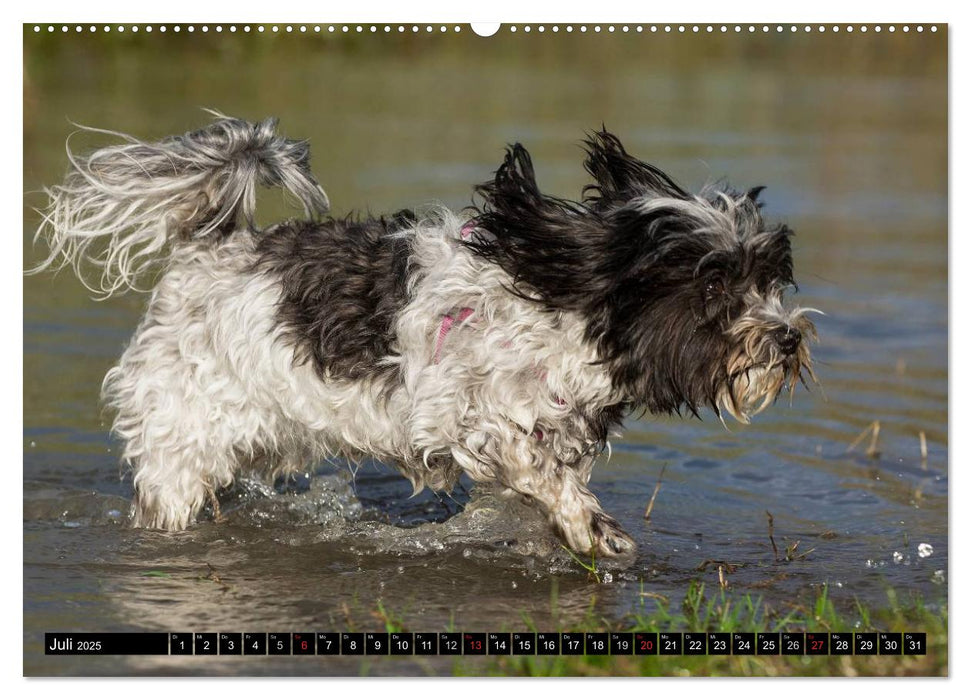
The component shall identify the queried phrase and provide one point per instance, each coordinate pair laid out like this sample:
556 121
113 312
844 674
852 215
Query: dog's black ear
548 246
753 195
512 202
515 180
620 176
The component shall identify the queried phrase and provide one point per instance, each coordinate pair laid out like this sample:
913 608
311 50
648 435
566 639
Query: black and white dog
506 344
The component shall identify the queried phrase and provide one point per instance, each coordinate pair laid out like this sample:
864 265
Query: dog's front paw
597 534
609 537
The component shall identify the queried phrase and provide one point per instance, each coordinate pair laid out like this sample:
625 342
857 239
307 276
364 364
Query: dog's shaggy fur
507 344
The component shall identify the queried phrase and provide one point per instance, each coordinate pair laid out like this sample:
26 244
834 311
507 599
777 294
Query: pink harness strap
447 322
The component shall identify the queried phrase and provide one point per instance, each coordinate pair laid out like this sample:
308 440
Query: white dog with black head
507 343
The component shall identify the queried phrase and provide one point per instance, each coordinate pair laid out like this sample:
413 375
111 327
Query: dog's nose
788 340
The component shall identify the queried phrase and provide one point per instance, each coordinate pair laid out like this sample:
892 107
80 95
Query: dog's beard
758 370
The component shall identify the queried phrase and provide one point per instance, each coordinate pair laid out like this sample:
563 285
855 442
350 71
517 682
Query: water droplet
924 550
938 576
515 585
33 444
897 557
608 577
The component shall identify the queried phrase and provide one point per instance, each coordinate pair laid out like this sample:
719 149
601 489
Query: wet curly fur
506 344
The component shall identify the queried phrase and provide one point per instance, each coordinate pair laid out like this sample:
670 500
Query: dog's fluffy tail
122 206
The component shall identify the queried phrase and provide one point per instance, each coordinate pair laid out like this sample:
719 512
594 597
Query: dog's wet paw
609 537
599 534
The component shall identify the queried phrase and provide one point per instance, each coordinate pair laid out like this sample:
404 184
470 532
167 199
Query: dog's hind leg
174 440
179 455
179 450
178 413
500 452
170 490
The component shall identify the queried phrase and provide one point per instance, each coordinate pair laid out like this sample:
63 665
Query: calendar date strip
486 643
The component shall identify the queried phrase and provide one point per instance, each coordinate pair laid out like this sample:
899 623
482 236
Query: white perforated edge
511 28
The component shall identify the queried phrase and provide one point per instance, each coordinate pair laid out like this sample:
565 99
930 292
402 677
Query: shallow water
848 133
